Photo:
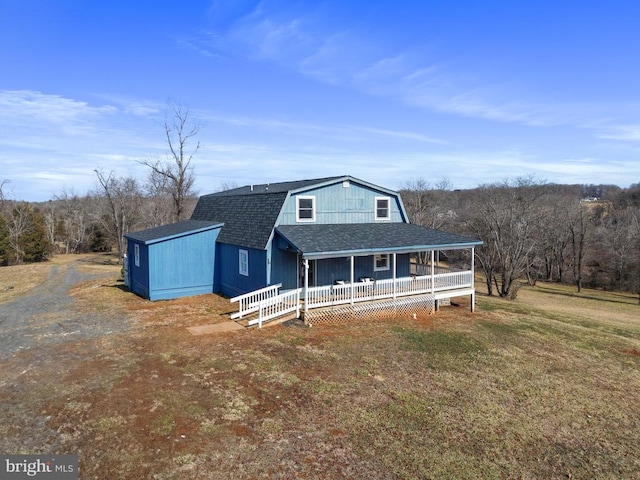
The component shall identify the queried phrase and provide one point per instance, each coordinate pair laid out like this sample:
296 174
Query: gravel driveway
47 315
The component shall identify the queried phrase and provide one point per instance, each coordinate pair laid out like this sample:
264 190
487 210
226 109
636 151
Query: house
334 240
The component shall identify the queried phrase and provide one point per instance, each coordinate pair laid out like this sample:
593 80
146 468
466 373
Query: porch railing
328 295
420 269
277 306
250 302
270 304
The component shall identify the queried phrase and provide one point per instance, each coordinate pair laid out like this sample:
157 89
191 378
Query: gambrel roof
248 219
250 213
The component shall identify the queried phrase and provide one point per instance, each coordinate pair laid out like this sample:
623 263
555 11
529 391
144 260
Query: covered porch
384 264
430 278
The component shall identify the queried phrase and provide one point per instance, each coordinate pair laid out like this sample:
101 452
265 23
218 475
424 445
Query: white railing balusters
269 303
250 302
328 295
276 306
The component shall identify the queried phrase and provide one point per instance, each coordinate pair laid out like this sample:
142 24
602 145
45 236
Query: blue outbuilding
172 261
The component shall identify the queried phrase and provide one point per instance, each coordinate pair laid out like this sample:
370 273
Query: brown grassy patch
543 387
19 279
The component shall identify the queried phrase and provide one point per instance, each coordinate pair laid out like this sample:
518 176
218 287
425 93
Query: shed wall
182 266
138 274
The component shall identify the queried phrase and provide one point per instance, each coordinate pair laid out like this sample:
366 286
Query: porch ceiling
359 239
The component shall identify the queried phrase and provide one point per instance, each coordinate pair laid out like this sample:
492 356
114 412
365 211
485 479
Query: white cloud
622 132
314 45
334 132
28 106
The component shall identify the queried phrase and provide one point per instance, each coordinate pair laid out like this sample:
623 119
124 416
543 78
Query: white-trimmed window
382 208
136 254
306 208
243 262
381 262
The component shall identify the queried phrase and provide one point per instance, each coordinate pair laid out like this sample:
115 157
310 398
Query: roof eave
175 235
384 250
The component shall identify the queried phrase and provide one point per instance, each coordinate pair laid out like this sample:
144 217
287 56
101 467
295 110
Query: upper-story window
306 209
382 208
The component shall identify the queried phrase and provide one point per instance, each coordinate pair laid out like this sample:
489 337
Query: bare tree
177 171
123 199
75 221
578 223
3 199
426 205
506 216
17 226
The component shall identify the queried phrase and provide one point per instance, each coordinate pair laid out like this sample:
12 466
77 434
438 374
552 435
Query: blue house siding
329 270
232 282
339 204
285 268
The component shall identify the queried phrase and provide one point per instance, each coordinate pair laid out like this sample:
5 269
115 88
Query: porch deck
365 297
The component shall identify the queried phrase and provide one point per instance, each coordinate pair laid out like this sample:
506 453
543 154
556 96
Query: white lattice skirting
391 308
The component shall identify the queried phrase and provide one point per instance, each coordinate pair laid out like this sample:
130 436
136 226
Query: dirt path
48 315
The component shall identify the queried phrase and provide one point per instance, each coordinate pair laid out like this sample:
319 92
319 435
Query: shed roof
172 230
326 241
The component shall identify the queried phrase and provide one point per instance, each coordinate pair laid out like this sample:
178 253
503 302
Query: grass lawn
544 387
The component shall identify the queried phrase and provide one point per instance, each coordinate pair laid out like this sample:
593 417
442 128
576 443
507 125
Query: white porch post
395 275
433 280
305 262
433 274
473 283
352 282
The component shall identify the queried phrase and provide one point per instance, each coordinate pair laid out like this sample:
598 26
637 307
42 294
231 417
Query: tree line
98 220
586 235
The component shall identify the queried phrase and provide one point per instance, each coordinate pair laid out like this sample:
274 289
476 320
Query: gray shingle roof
171 230
248 219
281 187
329 240
249 213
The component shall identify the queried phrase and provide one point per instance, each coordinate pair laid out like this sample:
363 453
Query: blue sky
469 91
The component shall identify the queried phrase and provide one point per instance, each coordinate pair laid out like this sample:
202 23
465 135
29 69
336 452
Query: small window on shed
382 208
136 254
306 209
243 257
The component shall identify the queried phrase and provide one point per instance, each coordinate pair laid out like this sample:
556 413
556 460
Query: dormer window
382 208
306 209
